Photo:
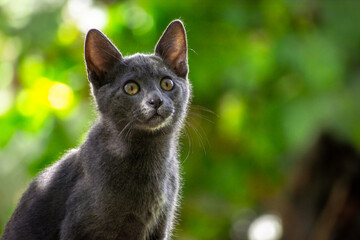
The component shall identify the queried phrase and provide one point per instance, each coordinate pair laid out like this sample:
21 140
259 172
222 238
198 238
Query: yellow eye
167 84
131 88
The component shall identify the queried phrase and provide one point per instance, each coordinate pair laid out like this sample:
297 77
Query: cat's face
142 92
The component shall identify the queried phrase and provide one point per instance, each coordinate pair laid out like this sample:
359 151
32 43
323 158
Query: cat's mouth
157 121
156 117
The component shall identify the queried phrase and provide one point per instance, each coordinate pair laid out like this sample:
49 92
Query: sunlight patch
6 101
60 96
86 15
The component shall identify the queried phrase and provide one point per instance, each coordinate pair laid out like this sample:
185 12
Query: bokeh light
86 15
60 96
265 227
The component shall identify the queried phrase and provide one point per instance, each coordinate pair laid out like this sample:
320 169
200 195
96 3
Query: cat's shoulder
64 170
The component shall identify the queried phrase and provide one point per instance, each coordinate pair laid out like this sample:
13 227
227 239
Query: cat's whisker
127 125
187 134
201 129
199 115
201 143
122 120
204 109
129 132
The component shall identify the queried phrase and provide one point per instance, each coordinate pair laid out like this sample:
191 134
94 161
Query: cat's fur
123 181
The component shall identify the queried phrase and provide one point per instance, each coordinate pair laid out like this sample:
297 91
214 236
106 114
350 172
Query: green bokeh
274 72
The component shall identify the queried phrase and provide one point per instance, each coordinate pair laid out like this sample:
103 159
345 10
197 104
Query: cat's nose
155 102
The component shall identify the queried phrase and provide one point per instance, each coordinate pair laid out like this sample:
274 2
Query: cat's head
146 92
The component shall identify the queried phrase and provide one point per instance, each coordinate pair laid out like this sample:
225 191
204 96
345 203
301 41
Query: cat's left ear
172 48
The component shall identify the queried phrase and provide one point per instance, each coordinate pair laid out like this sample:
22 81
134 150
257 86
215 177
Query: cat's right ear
101 56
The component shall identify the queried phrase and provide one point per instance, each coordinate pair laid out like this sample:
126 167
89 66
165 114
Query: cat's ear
101 56
172 48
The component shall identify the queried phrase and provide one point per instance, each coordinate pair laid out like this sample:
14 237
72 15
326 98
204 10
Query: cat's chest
146 192
146 202
138 184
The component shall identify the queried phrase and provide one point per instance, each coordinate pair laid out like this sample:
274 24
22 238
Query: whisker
204 135
201 143
201 108
121 120
199 115
187 134
127 125
196 111
129 132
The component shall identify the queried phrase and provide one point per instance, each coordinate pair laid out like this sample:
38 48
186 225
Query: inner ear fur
101 55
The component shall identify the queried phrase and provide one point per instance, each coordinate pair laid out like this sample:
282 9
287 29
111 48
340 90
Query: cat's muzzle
158 118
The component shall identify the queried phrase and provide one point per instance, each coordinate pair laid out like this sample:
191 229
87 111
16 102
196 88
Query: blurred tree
323 198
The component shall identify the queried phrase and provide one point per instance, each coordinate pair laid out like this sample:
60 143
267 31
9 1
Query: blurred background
268 77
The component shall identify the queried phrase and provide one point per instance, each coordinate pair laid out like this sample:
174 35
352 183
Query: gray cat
123 181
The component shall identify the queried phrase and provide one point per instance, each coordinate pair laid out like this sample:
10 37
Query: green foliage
275 72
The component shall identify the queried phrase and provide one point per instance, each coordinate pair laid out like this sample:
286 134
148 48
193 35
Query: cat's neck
107 155
120 141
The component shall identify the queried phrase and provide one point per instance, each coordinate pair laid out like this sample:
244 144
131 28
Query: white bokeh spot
86 15
265 227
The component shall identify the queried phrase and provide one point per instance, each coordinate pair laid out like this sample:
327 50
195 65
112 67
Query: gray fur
123 181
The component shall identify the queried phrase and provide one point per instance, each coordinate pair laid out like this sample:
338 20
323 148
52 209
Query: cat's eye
167 84
131 88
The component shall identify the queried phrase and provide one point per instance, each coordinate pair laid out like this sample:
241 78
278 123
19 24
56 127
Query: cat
123 181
